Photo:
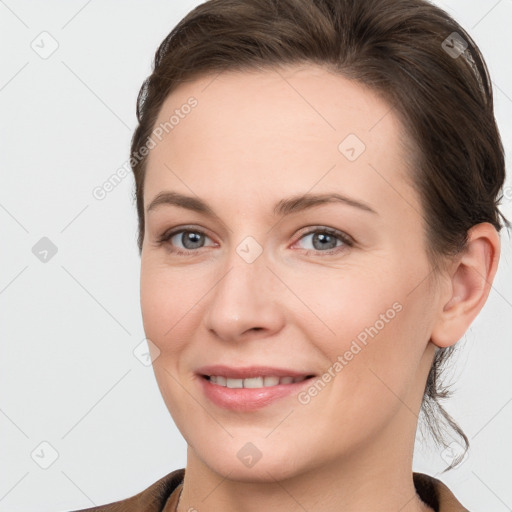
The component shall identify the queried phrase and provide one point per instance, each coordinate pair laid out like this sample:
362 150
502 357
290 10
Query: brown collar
432 491
163 495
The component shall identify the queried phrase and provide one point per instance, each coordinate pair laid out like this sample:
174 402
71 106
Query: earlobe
470 282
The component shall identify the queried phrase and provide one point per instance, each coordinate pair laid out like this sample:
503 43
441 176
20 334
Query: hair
436 82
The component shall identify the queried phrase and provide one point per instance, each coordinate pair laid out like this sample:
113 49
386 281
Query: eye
184 240
326 240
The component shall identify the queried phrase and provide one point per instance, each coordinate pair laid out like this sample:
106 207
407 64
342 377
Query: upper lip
246 372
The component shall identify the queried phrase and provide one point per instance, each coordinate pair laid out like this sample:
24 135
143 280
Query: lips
226 387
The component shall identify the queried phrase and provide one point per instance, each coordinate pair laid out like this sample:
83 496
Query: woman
317 184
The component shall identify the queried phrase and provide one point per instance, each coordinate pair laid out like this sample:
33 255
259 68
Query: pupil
192 240
323 241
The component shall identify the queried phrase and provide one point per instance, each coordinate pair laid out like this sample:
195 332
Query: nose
245 302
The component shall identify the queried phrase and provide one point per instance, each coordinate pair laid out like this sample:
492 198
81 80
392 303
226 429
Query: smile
253 382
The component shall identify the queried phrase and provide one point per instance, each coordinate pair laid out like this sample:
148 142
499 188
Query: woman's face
295 244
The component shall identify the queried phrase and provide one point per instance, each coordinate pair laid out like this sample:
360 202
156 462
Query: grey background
69 326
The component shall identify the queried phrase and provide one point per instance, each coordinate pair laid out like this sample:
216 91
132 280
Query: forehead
280 132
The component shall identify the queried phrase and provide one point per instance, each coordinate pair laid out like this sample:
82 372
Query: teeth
235 383
253 382
270 381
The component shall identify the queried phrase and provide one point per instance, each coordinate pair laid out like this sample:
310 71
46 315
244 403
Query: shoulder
152 499
436 494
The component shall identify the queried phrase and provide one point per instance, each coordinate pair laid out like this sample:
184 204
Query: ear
469 281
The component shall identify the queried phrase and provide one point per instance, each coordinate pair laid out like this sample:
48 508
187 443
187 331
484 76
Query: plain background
69 326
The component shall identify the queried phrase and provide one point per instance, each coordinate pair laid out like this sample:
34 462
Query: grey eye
189 239
320 240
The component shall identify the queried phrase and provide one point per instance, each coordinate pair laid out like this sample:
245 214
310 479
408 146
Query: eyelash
344 238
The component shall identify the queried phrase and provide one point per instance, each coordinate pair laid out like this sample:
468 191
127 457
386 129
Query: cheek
372 330
169 303
347 304
169 300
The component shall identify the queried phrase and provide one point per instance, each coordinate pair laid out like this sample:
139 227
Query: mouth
250 388
262 381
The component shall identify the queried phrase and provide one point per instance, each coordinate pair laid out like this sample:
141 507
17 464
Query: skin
253 140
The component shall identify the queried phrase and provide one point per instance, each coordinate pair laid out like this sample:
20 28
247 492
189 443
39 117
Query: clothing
163 496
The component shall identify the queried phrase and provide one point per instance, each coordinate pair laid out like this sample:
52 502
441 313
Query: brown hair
405 50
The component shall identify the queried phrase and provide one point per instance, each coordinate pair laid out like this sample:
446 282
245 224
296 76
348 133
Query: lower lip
249 399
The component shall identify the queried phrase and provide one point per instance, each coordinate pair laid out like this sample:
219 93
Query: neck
361 481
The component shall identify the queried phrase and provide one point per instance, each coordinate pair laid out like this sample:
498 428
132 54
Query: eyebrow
302 202
283 207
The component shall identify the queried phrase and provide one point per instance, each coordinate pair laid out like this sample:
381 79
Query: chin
235 463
